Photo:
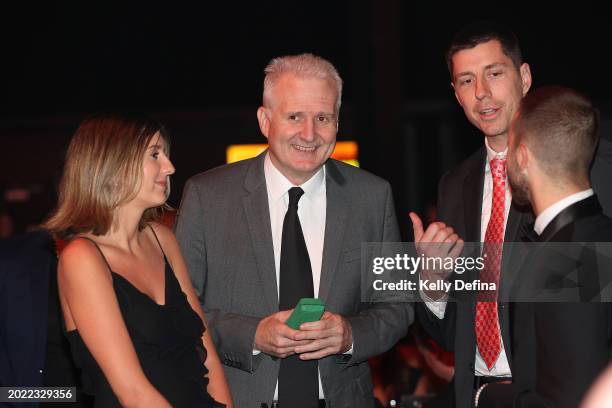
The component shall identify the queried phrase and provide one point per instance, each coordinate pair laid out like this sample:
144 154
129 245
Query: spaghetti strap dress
167 339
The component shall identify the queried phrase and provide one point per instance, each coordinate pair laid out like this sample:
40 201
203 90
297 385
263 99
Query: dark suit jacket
460 206
600 175
559 348
25 266
33 350
225 235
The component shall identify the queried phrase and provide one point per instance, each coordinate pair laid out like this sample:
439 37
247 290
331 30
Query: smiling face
300 123
489 87
157 169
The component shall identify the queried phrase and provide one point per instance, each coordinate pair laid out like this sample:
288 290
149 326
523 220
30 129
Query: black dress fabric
167 340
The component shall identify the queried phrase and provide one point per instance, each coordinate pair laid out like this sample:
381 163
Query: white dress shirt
546 216
311 212
438 308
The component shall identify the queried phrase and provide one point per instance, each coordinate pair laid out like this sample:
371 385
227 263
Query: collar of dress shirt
551 212
492 154
278 184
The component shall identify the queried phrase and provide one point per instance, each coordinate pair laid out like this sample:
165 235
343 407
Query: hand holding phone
307 310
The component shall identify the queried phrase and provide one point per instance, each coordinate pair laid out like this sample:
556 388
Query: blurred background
198 67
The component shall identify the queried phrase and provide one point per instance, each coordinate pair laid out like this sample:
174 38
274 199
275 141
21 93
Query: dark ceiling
82 56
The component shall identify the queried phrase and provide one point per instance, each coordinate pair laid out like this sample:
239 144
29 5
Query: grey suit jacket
224 232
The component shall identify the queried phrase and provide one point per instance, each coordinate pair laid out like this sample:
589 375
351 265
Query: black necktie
298 385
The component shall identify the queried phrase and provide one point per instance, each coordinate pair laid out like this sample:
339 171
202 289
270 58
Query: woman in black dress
132 317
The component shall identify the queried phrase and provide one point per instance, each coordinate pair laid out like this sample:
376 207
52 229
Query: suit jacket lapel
516 218
257 213
510 264
338 207
513 249
472 207
472 199
581 209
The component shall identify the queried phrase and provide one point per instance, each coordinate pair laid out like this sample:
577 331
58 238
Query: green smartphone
307 310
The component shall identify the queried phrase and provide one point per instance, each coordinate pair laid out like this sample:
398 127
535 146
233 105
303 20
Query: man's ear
523 157
264 120
525 72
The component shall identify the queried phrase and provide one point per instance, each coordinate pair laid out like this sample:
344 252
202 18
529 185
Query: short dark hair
480 32
561 127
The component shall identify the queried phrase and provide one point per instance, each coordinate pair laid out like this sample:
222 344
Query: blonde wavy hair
103 170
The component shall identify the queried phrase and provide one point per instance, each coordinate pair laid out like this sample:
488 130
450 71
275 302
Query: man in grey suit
230 228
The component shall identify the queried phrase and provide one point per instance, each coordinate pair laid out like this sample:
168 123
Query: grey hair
305 66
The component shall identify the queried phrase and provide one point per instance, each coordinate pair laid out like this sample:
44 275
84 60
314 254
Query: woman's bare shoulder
82 256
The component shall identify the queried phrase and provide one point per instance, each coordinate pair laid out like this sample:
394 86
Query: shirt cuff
437 307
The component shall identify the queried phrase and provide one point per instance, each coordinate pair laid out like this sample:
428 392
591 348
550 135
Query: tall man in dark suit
489 78
238 230
559 347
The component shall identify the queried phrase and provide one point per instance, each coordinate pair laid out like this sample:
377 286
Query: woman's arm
90 305
217 385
